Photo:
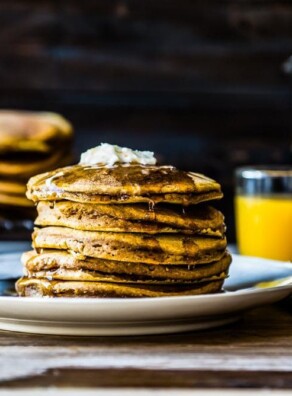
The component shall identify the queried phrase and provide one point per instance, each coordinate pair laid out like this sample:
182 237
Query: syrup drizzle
151 206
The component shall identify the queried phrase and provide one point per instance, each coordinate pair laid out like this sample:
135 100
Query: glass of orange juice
263 208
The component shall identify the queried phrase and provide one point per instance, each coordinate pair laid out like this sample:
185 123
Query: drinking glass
263 209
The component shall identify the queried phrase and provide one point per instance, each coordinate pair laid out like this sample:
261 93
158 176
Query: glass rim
264 171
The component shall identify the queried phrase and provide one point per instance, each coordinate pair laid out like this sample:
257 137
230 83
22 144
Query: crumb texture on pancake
201 220
153 249
56 264
35 287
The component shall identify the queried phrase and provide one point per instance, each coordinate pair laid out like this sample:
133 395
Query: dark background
205 84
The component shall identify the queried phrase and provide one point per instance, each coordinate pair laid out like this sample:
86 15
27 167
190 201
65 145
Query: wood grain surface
254 353
205 84
42 391
166 45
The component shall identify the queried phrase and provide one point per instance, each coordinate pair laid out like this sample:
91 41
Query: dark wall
205 84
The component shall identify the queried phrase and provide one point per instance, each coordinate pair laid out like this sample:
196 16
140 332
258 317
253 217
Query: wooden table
256 352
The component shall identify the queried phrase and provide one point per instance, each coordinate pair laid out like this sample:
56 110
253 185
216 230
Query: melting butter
109 155
49 181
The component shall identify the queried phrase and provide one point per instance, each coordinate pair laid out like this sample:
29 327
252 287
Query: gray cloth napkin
10 253
247 271
10 266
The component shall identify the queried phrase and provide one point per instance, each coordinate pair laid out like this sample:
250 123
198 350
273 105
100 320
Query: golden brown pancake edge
56 264
201 219
123 184
34 287
148 248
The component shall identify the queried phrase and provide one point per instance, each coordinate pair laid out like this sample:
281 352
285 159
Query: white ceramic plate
111 317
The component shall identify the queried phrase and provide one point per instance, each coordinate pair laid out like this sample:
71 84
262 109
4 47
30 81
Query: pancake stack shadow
30 143
125 231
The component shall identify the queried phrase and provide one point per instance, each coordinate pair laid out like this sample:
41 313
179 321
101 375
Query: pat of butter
109 155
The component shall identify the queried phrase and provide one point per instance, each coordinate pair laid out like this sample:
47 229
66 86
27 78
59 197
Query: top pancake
123 184
22 169
22 131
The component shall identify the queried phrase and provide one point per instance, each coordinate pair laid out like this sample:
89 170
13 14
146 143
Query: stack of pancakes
30 143
125 231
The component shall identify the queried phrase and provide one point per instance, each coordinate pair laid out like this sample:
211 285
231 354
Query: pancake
13 194
30 143
15 200
12 187
201 220
75 275
152 249
123 184
63 265
22 131
25 169
35 287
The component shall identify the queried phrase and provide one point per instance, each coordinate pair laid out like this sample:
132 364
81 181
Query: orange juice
264 226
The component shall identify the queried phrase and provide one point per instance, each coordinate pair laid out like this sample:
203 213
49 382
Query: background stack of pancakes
125 231
30 143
